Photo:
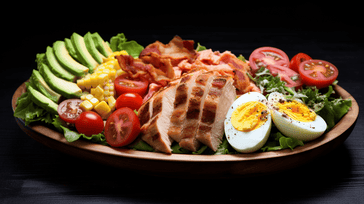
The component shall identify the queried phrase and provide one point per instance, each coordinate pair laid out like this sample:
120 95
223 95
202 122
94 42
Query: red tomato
297 60
69 110
122 127
318 73
264 56
123 84
286 74
89 123
130 100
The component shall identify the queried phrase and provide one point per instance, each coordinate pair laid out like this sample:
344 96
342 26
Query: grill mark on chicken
221 95
194 113
144 114
179 113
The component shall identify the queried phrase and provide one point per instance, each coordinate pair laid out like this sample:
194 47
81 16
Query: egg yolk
296 111
249 116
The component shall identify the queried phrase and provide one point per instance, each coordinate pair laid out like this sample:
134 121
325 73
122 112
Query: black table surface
33 173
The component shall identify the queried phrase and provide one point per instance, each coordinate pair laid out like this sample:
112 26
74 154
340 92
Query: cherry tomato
318 73
123 84
122 127
297 60
286 74
130 100
264 56
89 123
69 110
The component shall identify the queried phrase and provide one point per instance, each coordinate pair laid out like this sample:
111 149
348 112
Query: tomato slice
297 60
89 123
286 74
264 56
124 84
318 73
122 127
69 110
130 100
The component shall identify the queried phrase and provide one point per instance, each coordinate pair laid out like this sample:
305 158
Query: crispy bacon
176 50
157 63
138 69
226 64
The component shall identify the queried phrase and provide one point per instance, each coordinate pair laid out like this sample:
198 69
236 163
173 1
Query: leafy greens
119 42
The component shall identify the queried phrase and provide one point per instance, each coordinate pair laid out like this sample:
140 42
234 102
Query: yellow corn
111 101
94 102
86 105
110 69
102 109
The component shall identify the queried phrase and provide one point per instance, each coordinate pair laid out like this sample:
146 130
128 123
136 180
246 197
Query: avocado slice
42 101
90 45
67 61
100 44
71 50
65 88
36 81
56 68
82 52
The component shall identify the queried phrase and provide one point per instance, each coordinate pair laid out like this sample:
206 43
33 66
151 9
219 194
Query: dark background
31 172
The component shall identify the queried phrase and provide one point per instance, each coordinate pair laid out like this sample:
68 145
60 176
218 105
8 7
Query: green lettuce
277 141
72 136
30 112
119 42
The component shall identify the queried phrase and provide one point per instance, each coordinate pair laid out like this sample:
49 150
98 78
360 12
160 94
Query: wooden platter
201 166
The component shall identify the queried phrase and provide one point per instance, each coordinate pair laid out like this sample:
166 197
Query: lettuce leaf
30 112
119 42
72 136
277 141
200 47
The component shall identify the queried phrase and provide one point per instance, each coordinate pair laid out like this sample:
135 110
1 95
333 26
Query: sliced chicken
218 100
194 111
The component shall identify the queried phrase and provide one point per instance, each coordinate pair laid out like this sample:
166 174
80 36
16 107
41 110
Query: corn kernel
93 80
102 78
102 109
80 83
111 101
94 101
98 91
86 105
89 97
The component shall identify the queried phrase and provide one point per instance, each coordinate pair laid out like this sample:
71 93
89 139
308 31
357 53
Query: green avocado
100 44
90 45
42 101
67 61
36 81
56 68
65 88
71 50
82 52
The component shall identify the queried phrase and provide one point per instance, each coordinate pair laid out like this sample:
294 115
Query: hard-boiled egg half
294 119
248 122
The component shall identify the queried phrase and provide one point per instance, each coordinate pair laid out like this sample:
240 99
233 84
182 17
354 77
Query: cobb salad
119 93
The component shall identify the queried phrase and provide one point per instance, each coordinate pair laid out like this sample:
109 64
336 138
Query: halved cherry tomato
297 60
124 84
89 123
286 74
318 73
264 56
122 127
69 110
130 100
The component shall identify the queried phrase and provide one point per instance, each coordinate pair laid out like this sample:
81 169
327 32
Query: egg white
247 142
305 131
